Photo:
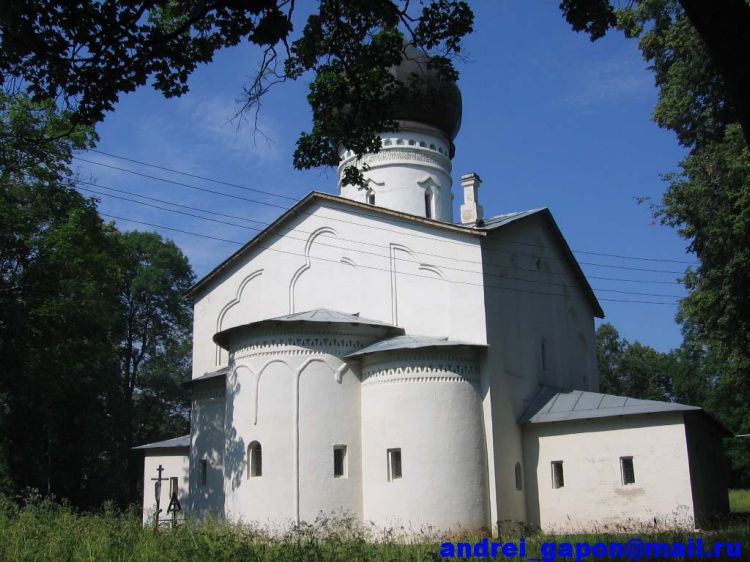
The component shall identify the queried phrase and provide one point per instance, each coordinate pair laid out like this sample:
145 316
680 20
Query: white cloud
214 121
610 81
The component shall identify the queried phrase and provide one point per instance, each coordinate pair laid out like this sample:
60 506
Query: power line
196 176
387 257
233 196
265 224
366 266
238 186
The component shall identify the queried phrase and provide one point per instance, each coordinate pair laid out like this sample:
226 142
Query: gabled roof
182 442
320 315
500 221
507 218
213 375
363 209
555 405
410 342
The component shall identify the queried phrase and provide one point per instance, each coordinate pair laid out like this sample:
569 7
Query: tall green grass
45 531
739 501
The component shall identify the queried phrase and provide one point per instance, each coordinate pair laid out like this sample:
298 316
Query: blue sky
549 120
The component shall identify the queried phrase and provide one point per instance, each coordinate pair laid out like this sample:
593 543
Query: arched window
254 460
428 204
519 477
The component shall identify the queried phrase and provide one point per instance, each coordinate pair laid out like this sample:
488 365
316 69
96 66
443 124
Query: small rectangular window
519 476
173 490
627 471
339 461
203 472
558 480
394 464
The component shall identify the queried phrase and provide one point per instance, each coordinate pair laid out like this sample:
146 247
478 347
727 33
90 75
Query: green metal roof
410 342
182 442
555 405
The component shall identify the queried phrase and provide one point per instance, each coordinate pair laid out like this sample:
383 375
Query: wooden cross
157 493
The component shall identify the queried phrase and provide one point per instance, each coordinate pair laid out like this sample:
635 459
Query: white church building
365 354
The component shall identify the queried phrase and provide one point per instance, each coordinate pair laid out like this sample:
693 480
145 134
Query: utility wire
291 230
195 176
387 257
275 205
272 194
366 266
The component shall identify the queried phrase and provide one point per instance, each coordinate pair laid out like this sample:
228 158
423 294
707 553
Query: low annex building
364 354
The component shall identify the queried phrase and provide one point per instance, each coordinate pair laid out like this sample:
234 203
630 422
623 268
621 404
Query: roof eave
598 311
165 445
364 352
607 415
222 338
577 271
219 269
199 285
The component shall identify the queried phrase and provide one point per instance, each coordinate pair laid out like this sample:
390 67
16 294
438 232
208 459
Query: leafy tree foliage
93 335
708 201
635 369
691 374
58 311
723 40
155 343
87 53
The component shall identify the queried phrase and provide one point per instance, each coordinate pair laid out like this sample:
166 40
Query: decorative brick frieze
423 367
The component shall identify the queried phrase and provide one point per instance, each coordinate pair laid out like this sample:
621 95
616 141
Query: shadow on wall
151 473
206 454
235 448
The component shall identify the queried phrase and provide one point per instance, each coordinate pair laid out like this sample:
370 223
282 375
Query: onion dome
434 101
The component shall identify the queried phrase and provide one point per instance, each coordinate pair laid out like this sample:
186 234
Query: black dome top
437 101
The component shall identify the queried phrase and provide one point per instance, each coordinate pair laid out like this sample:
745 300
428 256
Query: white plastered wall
176 464
207 445
427 280
593 496
427 404
531 295
410 164
290 391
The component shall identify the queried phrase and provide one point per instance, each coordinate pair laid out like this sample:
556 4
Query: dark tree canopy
85 54
94 337
691 374
154 349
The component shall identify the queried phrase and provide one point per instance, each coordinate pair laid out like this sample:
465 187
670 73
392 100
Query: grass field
44 531
739 501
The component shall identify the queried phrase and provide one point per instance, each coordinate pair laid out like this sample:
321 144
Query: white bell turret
412 171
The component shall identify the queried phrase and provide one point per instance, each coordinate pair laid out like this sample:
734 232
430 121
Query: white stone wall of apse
290 391
411 163
427 405
594 496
